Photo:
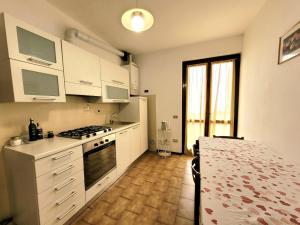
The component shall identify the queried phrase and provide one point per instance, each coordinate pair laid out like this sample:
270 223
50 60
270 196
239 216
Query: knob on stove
106 140
101 142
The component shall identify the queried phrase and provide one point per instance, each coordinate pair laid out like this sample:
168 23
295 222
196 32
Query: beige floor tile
173 195
141 220
115 210
188 191
137 204
80 222
175 182
188 179
139 179
124 182
95 215
133 172
183 221
155 199
112 195
167 213
130 192
161 185
127 218
106 221
146 188
150 213
186 208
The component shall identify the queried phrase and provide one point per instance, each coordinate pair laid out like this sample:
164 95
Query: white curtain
221 120
196 95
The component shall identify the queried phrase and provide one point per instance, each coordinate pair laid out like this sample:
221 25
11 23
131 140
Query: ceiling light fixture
137 19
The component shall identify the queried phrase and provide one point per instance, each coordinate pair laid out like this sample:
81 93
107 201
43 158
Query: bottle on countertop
39 130
32 130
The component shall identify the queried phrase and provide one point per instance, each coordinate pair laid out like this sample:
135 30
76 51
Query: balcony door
210 98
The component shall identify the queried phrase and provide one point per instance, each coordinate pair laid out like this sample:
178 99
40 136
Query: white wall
269 94
44 16
161 74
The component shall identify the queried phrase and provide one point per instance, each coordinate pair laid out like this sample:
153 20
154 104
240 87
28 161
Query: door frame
209 61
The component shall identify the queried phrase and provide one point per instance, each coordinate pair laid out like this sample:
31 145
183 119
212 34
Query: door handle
66 198
62 156
74 206
63 170
86 82
65 184
118 82
39 61
43 99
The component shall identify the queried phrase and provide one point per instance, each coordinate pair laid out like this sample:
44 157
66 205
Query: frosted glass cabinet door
114 93
33 83
29 44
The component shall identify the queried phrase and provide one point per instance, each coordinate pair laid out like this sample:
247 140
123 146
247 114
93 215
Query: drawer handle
99 184
39 61
124 132
74 206
135 127
62 156
43 99
63 170
65 184
66 198
118 82
86 82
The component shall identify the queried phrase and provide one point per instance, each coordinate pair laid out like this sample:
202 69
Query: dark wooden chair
229 137
197 180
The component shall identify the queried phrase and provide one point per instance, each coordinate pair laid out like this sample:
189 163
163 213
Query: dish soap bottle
32 129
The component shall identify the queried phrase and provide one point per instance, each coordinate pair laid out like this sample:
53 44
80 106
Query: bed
245 182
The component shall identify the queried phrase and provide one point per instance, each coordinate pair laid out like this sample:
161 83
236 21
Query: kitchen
73 100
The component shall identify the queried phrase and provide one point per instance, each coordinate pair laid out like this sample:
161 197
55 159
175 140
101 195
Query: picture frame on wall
289 44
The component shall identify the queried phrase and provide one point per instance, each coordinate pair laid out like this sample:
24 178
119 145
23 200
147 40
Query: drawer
101 185
52 162
58 175
60 190
59 217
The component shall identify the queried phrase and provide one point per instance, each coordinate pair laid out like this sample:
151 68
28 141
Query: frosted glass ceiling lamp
137 20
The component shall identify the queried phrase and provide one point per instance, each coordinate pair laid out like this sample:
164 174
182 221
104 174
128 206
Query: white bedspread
244 182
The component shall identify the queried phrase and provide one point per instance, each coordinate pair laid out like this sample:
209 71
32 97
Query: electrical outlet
87 108
175 140
175 117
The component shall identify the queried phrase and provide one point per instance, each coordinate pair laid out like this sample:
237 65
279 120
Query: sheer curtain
221 120
196 100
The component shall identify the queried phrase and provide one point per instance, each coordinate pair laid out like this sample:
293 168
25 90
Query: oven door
98 162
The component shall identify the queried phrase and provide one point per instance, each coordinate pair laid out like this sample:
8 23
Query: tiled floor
154 191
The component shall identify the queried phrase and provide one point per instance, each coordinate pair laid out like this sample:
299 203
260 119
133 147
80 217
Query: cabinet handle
74 206
66 198
99 184
118 82
86 82
135 127
43 99
39 61
65 184
63 170
62 156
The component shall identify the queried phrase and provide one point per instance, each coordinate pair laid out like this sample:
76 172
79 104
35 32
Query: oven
99 158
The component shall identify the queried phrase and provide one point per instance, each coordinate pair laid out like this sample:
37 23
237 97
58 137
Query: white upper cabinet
113 73
134 78
25 82
81 70
23 42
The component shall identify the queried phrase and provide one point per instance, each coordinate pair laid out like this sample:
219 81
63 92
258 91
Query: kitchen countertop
45 147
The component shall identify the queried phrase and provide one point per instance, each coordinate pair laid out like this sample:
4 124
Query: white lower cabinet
135 142
123 151
128 145
48 190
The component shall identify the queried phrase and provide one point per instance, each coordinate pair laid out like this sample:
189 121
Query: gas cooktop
85 132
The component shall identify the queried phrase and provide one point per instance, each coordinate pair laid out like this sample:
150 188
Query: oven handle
98 149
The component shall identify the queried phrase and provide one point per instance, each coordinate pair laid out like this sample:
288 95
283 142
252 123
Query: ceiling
176 22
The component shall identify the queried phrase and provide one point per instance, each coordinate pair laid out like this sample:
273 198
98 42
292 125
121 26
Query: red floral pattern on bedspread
244 182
